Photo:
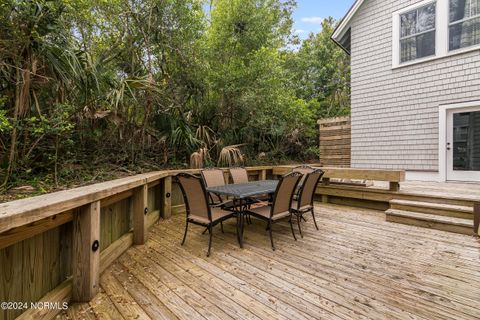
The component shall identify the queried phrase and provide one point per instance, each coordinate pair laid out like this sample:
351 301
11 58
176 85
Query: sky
309 14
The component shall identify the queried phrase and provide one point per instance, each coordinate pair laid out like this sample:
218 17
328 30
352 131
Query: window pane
475 8
464 34
408 50
425 44
466 141
426 18
417 47
459 9
407 23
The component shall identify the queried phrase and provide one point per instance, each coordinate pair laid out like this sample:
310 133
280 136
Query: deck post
226 176
394 186
263 174
167 197
140 210
86 252
476 218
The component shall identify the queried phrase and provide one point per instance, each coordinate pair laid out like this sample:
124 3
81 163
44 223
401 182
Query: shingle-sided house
415 76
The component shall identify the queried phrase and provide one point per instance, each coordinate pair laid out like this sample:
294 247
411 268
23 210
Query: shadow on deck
356 266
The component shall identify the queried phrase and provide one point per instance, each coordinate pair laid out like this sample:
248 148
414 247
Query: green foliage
146 83
4 122
321 73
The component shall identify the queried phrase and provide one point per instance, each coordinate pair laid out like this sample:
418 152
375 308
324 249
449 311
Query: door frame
442 133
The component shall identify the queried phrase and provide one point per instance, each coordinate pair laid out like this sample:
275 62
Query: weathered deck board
356 266
469 191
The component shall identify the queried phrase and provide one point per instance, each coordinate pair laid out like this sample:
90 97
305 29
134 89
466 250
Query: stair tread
430 217
432 205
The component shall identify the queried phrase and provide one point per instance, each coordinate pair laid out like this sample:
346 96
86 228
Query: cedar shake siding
395 112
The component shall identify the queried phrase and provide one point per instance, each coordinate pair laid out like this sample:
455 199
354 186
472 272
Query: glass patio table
241 193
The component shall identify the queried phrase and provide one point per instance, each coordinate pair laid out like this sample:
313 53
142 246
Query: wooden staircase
434 215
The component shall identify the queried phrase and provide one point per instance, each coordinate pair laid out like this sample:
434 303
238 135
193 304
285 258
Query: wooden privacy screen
335 142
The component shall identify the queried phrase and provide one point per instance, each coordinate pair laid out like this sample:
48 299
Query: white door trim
442 133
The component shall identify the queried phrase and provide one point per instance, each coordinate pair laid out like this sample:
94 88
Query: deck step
427 220
441 209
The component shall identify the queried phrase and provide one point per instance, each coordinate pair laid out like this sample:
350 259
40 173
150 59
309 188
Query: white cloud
315 20
300 31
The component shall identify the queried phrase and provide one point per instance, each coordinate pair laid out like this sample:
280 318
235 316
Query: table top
245 190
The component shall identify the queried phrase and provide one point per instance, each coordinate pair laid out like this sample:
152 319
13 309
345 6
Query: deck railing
54 247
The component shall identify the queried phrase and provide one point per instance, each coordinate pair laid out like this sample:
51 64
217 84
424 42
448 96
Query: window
433 29
417 33
464 24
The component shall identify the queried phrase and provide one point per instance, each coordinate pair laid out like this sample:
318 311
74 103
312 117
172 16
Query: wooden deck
358 266
468 191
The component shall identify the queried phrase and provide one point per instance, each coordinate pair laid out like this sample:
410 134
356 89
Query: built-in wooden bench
393 177
354 193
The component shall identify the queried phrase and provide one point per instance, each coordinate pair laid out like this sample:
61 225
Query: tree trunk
22 97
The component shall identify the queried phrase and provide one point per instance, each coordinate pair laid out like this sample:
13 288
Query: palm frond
231 155
206 135
196 160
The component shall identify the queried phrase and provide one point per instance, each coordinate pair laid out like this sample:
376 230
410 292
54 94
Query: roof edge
342 27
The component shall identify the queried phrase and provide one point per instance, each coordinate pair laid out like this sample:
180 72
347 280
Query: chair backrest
213 177
283 196
308 188
304 170
194 195
239 175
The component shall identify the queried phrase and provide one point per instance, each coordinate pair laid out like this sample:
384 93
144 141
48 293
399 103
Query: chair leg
221 226
270 232
185 234
237 229
314 220
298 222
210 240
291 227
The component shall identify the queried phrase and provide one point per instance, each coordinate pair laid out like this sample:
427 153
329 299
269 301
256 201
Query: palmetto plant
231 155
38 55
145 83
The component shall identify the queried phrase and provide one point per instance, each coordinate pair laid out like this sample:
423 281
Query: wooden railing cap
24 211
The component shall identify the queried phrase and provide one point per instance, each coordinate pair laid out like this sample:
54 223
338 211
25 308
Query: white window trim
396 32
442 23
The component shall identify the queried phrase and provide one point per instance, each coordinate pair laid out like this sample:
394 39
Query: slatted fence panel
335 142
32 267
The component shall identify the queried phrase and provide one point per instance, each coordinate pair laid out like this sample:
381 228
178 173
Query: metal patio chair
240 175
304 203
280 207
304 170
213 177
197 206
